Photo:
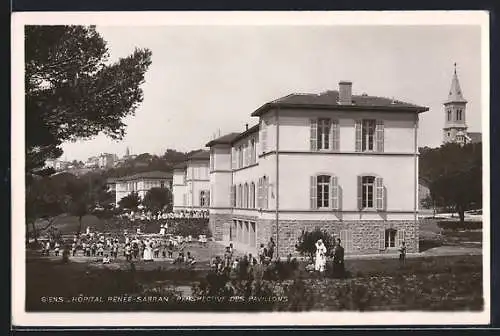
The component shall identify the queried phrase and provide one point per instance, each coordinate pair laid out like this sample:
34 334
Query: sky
209 79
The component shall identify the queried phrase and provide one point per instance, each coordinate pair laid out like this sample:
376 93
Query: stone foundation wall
365 234
218 223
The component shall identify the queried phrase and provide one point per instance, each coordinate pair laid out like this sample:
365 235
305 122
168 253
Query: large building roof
223 140
475 137
329 100
199 155
146 175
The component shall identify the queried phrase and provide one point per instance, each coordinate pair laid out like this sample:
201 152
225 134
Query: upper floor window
239 196
369 135
246 196
253 151
448 112
233 196
252 195
263 191
371 192
459 114
324 134
212 159
162 184
263 136
204 198
240 157
324 192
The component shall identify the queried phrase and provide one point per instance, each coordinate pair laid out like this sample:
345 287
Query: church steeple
455 126
455 95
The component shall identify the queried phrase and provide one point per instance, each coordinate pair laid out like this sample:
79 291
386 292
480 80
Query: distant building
57 165
455 127
92 162
107 160
141 183
191 184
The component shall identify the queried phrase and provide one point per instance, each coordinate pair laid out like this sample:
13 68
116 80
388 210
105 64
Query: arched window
449 114
203 198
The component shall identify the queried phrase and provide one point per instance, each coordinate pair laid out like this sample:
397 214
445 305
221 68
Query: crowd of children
109 247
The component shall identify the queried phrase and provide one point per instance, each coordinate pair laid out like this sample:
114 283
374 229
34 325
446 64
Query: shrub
306 244
457 225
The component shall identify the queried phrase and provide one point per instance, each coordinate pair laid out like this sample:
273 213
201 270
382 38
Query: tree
454 173
43 201
157 198
73 91
131 201
306 244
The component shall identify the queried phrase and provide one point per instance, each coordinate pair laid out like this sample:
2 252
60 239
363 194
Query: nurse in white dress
320 256
148 252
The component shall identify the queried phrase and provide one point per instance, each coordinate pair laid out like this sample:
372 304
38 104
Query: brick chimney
345 92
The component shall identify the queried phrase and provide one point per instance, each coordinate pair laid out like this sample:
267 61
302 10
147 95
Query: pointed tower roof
455 94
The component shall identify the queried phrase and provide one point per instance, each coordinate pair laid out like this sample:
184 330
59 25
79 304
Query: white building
141 183
344 163
191 183
107 160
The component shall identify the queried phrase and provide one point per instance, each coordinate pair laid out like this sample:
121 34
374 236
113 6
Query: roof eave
264 108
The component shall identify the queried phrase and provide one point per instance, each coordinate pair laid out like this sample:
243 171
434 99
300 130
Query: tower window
449 115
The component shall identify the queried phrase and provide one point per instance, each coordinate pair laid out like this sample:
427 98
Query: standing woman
320 256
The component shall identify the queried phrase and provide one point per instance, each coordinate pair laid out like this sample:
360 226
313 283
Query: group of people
107 247
166 215
321 257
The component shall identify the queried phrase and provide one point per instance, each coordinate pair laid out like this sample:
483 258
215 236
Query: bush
457 225
307 242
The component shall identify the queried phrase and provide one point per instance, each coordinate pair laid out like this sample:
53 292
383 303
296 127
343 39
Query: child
73 249
56 249
128 252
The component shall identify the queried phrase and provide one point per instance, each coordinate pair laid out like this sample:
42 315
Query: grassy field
433 283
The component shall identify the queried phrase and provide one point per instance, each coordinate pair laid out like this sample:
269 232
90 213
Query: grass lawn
431 283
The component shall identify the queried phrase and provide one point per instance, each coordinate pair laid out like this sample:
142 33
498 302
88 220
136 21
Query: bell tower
455 127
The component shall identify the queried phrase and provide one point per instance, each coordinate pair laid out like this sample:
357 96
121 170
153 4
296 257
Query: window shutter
314 196
259 193
343 238
233 158
334 136
266 193
400 237
360 192
232 196
349 241
334 192
381 240
314 135
357 126
263 136
379 133
379 185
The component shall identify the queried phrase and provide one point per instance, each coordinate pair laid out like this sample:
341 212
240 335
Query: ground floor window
243 232
390 238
